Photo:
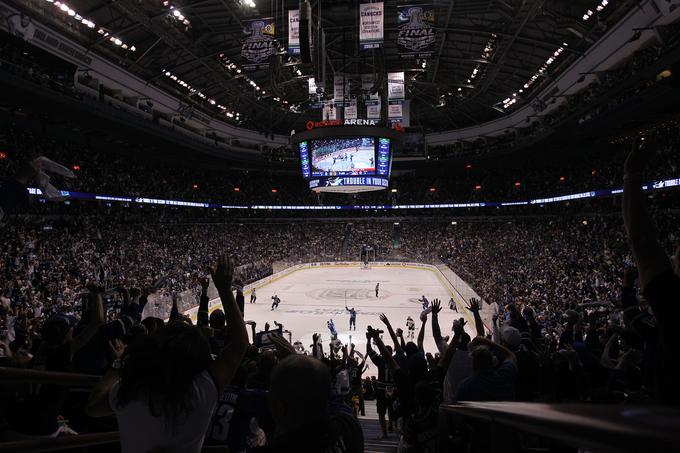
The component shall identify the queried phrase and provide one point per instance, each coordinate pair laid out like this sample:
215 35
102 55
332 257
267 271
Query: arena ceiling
461 85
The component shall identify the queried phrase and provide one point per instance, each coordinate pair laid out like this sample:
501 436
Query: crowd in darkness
571 326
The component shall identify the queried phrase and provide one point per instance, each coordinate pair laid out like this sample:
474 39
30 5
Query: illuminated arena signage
376 182
356 122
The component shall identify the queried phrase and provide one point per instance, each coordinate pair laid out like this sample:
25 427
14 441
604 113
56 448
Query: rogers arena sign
355 122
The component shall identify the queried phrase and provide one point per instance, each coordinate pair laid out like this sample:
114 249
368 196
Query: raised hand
384 319
117 348
638 157
223 273
474 305
399 332
459 326
282 345
205 282
371 332
436 307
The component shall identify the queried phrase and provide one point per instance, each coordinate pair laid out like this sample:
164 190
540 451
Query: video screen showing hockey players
343 156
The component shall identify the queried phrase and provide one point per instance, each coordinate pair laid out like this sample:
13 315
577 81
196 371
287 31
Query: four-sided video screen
346 156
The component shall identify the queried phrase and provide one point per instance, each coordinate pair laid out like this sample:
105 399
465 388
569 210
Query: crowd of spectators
569 327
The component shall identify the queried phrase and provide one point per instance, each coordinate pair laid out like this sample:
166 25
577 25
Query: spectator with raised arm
163 388
660 283
494 373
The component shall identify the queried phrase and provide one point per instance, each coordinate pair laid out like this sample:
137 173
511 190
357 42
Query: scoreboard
347 158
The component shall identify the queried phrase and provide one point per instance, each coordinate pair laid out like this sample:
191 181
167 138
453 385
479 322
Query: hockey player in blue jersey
352 317
331 326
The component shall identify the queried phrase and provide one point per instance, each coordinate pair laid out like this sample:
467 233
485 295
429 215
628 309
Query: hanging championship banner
371 22
311 86
366 84
395 85
294 31
351 111
259 43
373 110
416 31
394 110
329 112
340 89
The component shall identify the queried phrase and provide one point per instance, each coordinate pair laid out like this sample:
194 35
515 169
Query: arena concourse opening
339 226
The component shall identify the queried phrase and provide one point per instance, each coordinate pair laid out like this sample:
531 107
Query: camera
378 331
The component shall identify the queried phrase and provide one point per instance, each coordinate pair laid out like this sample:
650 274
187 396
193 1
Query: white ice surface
310 297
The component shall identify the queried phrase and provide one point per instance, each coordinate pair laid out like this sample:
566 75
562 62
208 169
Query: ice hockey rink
361 160
312 296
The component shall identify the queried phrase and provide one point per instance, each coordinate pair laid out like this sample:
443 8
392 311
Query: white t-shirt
140 432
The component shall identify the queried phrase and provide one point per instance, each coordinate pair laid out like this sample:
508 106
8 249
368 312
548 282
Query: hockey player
452 305
275 302
253 296
352 317
411 327
377 289
424 301
331 327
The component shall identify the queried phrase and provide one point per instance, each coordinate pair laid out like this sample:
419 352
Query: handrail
21 375
60 443
602 428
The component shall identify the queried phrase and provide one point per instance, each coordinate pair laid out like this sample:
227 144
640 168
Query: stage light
433 189
394 190
76 167
563 178
237 189
194 186
517 184
468 166
478 187
3 156
274 191
454 223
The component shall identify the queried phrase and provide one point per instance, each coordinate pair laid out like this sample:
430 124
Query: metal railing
60 443
509 427
70 443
